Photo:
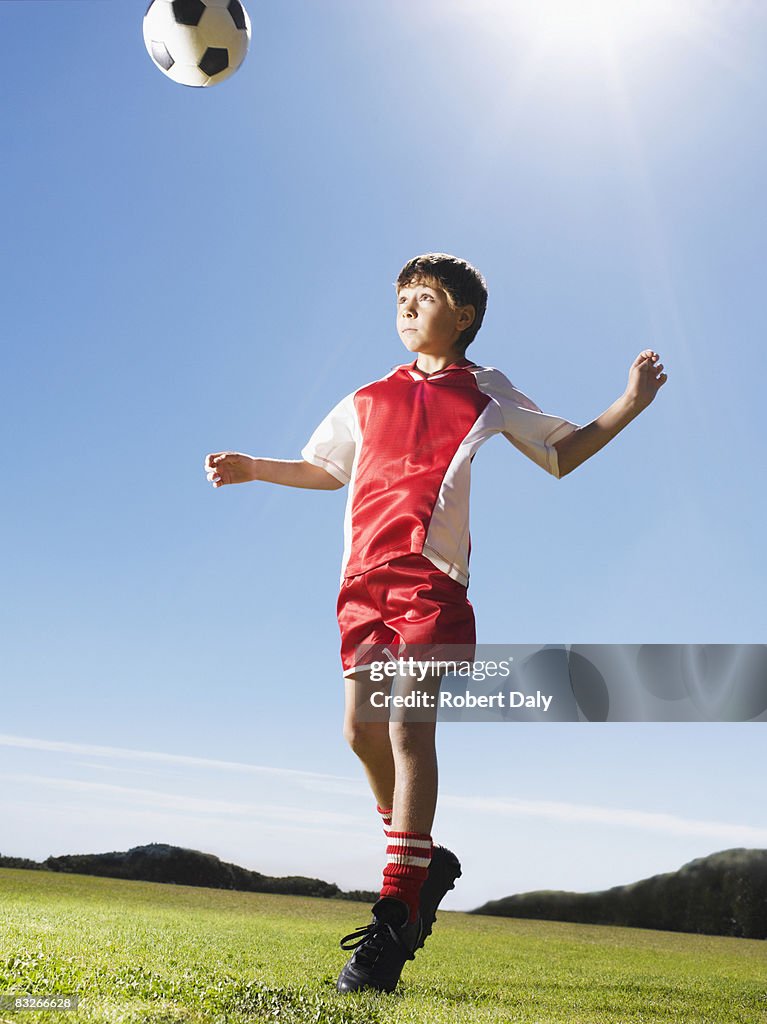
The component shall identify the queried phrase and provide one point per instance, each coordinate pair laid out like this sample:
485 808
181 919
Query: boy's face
425 321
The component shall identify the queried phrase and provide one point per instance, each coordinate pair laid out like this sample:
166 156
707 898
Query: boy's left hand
645 379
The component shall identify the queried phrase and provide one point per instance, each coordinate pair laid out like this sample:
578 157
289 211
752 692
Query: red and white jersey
404 444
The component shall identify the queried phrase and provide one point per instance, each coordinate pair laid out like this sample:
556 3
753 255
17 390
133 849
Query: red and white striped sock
386 819
408 855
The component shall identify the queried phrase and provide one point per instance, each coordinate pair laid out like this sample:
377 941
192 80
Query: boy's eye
425 296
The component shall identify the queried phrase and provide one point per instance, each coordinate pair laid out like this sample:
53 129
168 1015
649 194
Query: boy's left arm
645 380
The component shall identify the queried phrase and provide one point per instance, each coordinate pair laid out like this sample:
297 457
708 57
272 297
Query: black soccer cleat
381 948
443 871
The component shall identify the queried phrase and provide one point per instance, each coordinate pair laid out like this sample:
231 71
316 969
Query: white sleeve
533 432
332 446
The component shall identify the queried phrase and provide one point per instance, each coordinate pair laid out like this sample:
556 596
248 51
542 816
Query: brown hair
460 281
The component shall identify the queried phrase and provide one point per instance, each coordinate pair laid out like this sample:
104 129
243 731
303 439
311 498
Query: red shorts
407 601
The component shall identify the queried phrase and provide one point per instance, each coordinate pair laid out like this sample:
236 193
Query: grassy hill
178 865
147 953
723 894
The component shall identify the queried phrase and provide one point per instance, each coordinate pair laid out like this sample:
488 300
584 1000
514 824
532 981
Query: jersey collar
417 374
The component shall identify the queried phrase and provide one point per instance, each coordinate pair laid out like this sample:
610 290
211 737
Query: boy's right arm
236 468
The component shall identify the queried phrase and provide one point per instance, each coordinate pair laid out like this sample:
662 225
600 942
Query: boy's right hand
229 468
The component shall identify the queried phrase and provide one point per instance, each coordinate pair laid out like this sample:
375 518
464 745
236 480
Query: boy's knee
362 736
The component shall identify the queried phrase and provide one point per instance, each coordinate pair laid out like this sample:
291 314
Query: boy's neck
433 364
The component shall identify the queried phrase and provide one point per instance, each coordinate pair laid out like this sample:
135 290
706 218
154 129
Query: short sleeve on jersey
533 432
332 446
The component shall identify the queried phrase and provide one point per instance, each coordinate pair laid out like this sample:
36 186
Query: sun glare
582 26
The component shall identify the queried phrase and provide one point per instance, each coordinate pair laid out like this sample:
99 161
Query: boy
404 444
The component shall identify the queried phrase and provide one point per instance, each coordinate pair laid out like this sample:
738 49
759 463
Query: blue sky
191 270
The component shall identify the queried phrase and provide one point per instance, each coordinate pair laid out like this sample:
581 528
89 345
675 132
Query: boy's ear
466 316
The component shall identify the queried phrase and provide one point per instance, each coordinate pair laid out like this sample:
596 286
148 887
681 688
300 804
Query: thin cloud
88 750
569 813
178 802
588 814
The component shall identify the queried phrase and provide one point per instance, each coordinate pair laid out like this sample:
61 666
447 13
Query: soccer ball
197 42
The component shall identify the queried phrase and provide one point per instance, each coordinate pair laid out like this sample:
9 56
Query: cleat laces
370 940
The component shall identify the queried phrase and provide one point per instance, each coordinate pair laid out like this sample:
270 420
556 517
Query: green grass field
141 952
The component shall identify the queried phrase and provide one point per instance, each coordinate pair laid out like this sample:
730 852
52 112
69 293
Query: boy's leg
414 754
415 798
366 730
401 749
409 848
401 762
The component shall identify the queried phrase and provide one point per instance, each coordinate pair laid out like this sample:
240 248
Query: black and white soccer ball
197 42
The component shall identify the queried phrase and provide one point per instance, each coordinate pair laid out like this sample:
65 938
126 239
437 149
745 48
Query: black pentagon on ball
188 12
161 55
214 61
238 15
